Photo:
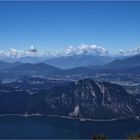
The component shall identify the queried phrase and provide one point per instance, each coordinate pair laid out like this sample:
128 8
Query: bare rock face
91 99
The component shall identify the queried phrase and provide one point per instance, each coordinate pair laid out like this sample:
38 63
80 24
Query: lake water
48 127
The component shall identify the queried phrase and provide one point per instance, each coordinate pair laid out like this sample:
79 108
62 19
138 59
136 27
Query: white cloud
130 52
31 52
84 49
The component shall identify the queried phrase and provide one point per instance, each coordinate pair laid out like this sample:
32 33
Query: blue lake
53 128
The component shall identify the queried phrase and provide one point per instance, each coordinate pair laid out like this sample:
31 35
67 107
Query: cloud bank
83 49
69 51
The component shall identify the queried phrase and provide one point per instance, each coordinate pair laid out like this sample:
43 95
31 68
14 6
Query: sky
55 25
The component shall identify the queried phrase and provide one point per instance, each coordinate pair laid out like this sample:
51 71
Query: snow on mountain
131 52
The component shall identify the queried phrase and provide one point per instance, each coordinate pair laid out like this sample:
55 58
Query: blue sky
56 25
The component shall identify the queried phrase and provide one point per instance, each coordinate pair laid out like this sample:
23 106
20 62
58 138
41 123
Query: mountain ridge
129 62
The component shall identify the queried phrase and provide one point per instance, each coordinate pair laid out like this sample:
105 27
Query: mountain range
17 69
68 62
65 62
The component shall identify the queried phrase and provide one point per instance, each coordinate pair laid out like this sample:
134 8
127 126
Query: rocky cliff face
83 99
91 99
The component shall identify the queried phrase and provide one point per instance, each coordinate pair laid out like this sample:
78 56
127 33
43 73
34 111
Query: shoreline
72 118
95 120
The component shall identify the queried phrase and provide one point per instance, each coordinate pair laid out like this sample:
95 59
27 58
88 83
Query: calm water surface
47 127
